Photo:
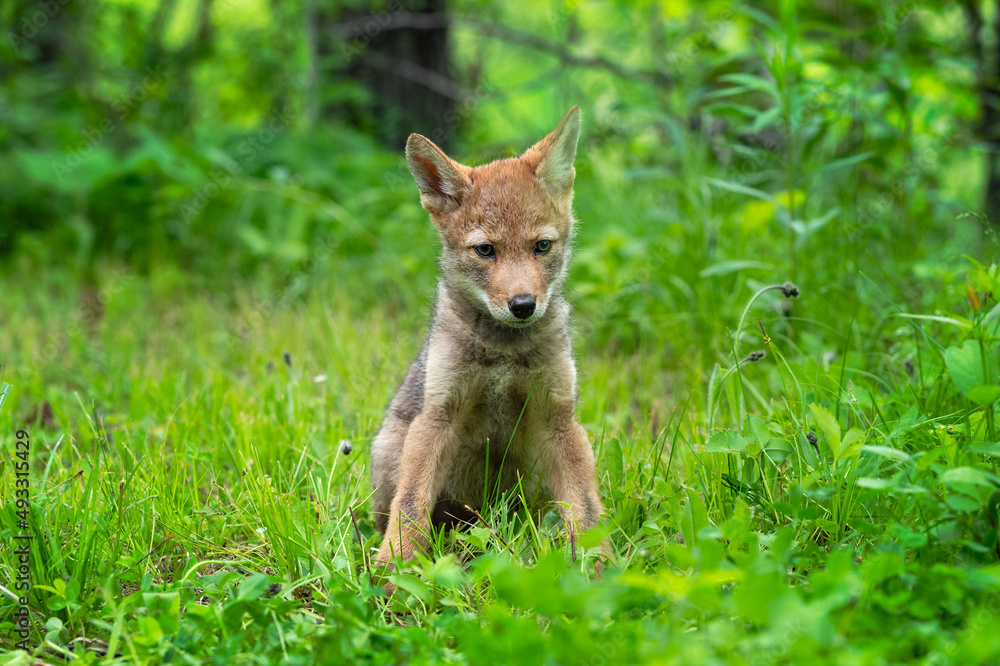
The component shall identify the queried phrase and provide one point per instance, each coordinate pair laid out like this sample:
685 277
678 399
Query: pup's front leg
569 465
427 452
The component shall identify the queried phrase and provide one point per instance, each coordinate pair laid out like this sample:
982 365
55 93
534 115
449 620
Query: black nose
522 305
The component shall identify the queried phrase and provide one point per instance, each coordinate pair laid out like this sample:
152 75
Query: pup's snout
522 305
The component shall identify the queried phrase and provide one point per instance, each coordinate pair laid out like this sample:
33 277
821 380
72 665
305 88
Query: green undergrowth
787 359
200 490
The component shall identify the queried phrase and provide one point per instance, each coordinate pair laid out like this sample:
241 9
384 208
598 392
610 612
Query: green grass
835 500
191 502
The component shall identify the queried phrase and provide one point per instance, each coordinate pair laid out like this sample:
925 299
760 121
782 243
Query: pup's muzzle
522 306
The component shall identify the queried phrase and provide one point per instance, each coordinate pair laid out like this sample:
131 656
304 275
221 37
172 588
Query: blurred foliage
722 131
190 188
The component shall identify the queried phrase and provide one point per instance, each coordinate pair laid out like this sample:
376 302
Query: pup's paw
383 565
598 569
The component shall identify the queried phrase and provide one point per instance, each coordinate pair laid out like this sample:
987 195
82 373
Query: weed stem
788 290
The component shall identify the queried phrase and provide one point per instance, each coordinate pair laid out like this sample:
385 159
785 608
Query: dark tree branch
420 75
415 21
202 38
566 55
356 28
154 34
310 18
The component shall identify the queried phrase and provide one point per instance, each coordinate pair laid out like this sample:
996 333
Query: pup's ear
553 156
443 182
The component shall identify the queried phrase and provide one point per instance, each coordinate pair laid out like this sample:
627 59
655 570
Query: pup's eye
485 250
543 246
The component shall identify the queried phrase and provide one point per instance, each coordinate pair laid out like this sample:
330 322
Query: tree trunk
988 71
401 55
46 35
990 105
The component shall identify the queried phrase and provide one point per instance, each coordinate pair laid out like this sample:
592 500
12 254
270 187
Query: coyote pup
499 343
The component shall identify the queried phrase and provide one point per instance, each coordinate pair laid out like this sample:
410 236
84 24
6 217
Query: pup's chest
507 392
503 393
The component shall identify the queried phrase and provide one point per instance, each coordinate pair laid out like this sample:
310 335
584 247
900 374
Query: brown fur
446 432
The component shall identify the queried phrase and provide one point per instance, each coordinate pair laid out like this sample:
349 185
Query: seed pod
789 290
